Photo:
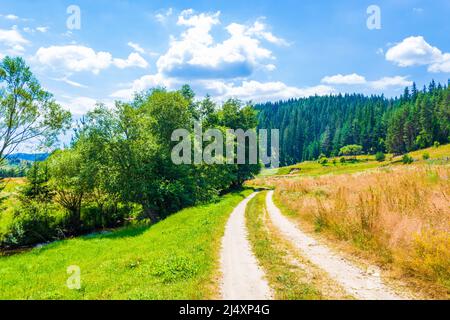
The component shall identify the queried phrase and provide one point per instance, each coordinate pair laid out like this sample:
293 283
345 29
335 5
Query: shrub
342 160
407 159
436 144
380 156
32 223
426 156
110 215
323 160
351 150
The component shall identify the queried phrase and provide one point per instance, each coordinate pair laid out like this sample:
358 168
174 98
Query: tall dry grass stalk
402 215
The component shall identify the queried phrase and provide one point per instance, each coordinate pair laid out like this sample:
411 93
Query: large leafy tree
28 113
130 146
128 150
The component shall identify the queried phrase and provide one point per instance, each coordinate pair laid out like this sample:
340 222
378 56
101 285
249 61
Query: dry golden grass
399 215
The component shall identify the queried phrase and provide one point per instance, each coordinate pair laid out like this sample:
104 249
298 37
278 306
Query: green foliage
351 150
342 160
132 143
407 159
37 188
436 144
27 111
380 156
33 222
68 179
120 160
323 160
426 156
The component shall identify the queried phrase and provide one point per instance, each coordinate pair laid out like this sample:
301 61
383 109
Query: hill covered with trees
317 125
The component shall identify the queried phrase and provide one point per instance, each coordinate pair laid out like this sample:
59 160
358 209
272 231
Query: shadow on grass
122 233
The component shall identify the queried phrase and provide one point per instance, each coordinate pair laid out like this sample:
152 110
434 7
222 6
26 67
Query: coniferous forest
319 125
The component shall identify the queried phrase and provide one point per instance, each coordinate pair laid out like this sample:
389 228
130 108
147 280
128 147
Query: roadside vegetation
291 276
176 258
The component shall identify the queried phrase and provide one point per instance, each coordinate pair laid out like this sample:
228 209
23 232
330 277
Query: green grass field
174 259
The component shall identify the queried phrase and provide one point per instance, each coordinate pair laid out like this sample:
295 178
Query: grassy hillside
364 162
390 213
173 259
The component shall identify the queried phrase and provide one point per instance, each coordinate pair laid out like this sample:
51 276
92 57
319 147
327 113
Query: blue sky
252 50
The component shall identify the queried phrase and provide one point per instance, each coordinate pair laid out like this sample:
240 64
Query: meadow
173 259
394 215
358 163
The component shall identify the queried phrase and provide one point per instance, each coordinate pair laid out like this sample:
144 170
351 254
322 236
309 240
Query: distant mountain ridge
28 156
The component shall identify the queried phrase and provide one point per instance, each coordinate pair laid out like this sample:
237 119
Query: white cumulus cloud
415 51
80 58
133 60
143 83
10 16
13 40
136 47
344 79
79 105
397 81
259 29
196 54
42 29
263 91
162 17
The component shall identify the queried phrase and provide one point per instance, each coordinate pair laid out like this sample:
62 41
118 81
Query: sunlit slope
174 259
440 154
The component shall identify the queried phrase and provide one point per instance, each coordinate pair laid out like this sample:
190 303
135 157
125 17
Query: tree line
317 125
118 167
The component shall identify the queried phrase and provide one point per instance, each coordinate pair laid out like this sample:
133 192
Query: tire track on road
357 282
243 279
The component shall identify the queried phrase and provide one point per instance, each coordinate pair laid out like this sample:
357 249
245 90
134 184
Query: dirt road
242 278
361 284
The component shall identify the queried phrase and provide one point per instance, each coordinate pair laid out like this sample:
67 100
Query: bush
351 150
33 223
426 156
342 160
111 215
323 160
407 159
436 144
380 156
